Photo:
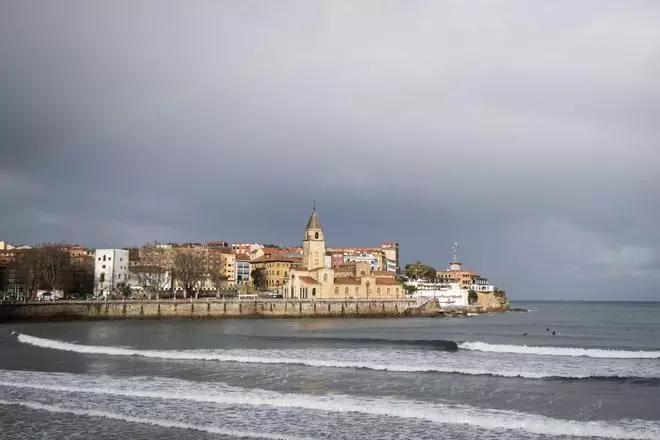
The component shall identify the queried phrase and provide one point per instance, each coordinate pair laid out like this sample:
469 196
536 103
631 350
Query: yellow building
277 267
314 280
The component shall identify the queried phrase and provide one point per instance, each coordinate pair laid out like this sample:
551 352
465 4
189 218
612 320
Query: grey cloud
526 131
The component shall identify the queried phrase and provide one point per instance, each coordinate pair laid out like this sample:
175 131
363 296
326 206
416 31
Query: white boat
447 294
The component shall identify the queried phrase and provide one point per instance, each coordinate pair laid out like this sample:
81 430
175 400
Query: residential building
228 266
79 255
243 269
386 257
314 280
110 270
277 267
467 279
218 244
244 248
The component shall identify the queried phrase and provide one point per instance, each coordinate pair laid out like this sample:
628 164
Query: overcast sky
527 131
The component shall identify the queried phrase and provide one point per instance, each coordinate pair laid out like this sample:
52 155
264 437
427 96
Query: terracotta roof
242 257
387 282
299 269
383 273
347 280
308 280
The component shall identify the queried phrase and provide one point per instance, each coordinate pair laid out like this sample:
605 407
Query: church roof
314 222
387 282
308 280
346 280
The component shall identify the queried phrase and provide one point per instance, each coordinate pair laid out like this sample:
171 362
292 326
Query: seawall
213 309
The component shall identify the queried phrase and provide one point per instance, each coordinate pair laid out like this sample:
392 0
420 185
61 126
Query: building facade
110 270
316 279
277 268
243 269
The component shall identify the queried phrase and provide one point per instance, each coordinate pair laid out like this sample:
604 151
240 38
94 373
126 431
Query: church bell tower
314 243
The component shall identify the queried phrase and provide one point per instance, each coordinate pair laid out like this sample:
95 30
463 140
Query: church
316 279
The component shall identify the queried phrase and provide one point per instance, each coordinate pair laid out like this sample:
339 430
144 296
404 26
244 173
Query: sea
562 370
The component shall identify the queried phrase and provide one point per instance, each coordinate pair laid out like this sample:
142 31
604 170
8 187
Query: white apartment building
110 270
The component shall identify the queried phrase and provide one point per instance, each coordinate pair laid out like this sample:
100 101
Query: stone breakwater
217 309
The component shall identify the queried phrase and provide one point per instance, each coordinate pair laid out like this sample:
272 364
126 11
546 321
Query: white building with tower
110 270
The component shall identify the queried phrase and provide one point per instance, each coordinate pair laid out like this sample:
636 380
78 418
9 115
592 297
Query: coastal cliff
493 302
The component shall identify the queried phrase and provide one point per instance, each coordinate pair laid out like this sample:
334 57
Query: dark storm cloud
527 131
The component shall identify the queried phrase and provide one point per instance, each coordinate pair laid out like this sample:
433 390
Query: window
346 290
104 258
313 291
325 278
316 235
388 290
103 267
378 290
356 290
109 258
336 289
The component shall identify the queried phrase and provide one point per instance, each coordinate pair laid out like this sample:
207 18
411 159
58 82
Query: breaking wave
390 407
154 422
559 351
442 363
437 344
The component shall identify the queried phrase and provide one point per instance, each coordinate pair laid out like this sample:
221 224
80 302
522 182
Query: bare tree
150 278
52 265
190 271
45 267
151 271
218 280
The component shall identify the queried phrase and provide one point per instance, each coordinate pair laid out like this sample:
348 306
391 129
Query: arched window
325 278
316 235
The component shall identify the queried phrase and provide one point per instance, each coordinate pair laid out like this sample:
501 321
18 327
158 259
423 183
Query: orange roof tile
346 280
387 282
308 280
383 273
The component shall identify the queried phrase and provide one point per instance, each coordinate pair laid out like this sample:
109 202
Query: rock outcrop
493 302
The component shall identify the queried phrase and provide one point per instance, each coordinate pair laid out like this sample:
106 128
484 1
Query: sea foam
410 362
216 393
559 351
155 422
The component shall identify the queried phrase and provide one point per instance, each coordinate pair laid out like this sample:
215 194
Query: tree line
47 267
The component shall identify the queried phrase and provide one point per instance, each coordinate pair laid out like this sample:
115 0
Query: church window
316 235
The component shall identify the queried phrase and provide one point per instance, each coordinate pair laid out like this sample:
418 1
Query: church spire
314 222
